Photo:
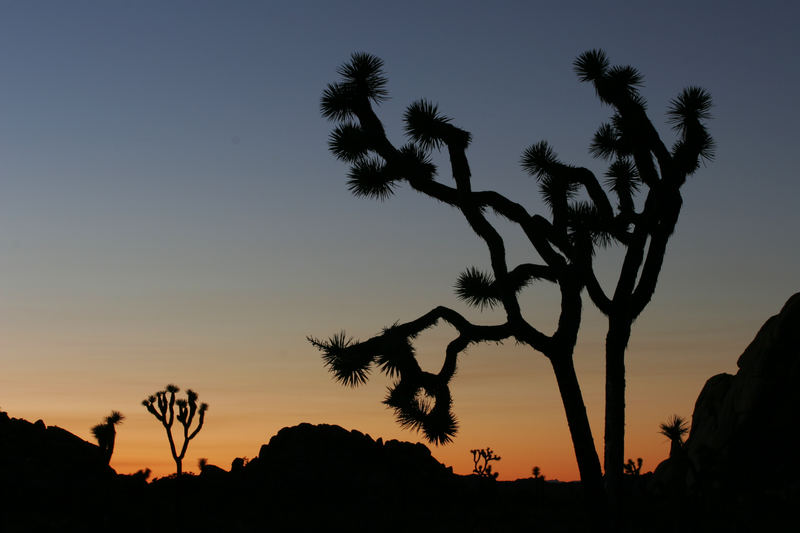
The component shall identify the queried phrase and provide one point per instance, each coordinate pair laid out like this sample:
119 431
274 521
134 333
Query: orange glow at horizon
505 398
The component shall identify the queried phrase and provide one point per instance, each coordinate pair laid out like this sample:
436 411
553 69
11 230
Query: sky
170 213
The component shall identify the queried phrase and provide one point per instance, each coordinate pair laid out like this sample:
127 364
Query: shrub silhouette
482 458
162 406
106 434
537 473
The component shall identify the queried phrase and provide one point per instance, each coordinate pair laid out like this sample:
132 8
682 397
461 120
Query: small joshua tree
486 455
106 434
674 429
162 406
537 473
633 469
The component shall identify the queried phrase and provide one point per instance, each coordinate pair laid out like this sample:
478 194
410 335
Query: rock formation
745 427
33 455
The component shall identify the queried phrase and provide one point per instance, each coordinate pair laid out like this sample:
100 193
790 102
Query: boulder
331 454
745 427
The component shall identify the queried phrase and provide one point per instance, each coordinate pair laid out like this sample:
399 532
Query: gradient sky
169 211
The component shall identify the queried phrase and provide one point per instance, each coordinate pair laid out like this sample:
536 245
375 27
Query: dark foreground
325 478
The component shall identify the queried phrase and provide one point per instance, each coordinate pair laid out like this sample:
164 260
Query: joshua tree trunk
619 332
580 431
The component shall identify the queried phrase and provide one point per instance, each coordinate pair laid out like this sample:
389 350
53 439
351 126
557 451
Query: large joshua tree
565 243
641 163
421 399
162 406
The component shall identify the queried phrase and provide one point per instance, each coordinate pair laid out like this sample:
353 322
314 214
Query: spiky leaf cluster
674 428
423 407
622 178
420 400
587 227
369 178
555 179
430 129
591 65
477 288
362 82
613 85
686 114
348 142
347 359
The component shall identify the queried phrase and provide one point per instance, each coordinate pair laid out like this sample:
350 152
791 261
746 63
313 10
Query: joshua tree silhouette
641 162
674 429
421 400
106 434
633 469
162 406
566 243
537 473
484 469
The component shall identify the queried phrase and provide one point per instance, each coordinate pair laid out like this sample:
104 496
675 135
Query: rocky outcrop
33 455
745 427
328 453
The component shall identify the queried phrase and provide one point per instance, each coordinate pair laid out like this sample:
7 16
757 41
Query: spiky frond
477 288
421 410
416 163
605 142
584 222
691 106
430 129
115 418
591 65
625 76
686 114
674 428
396 354
100 432
688 154
621 83
622 177
348 142
364 72
557 190
441 425
368 178
363 82
338 102
172 388
347 360
541 161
